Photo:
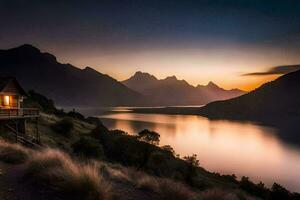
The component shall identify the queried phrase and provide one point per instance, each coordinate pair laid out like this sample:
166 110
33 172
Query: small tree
169 149
192 160
191 172
149 136
279 192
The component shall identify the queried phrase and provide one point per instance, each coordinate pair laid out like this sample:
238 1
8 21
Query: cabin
13 116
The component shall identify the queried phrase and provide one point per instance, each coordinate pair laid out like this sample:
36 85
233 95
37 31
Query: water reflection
222 146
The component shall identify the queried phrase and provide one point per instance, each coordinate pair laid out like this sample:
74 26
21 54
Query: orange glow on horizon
223 65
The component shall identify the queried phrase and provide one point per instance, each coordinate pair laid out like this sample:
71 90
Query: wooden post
37 130
17 131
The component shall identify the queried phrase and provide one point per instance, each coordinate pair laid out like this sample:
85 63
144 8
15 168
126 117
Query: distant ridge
171 91
64 83
279 98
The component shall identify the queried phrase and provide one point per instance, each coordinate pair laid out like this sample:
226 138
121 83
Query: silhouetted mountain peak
25 49
28 48
89 69
172 91
27 53
64 83
143 76
171 78
212 85
49 57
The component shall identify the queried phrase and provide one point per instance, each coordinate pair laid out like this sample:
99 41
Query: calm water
222 146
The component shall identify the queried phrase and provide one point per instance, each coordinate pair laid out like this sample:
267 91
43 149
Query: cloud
275 70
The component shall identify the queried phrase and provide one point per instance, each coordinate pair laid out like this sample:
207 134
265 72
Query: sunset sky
199 41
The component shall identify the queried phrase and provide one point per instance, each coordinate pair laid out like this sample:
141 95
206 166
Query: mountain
275 104
64 83
171 91
279 98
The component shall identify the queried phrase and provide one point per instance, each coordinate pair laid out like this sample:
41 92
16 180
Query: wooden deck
13 113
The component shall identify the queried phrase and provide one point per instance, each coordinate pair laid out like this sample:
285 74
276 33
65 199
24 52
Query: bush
89 148
217 194
71 180
64 127
255 189
145 182
149 136
116 172
278 192
192 160
168 149
13 153
129 151
169 189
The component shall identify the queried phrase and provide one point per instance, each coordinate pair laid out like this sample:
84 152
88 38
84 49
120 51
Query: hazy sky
199 41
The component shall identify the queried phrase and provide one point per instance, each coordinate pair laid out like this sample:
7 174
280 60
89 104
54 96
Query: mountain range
64 83
171 91
71 86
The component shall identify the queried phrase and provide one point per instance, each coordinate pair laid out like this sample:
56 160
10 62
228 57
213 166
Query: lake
227 147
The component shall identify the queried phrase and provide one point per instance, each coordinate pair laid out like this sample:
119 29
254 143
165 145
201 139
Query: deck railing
15 112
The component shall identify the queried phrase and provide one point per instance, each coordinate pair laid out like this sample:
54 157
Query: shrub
169 189
252 188
159 163
146 182
13 153
192 160
117 131
64 127
168 149
89 148
149 136
71 180
115 172
279 192
217 194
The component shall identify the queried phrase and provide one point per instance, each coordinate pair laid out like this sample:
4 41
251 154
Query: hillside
279 98
275 104
66 84
171 91
89 162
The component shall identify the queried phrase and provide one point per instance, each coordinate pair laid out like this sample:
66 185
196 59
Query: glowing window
6 101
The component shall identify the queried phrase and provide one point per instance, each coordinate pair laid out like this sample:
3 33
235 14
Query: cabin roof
4 81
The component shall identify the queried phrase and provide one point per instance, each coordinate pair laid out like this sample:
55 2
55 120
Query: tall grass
219 194
70 179
13 153
166 189
85 181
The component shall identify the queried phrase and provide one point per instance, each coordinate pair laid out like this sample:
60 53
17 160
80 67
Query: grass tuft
169 189
13 153
217 194
70 179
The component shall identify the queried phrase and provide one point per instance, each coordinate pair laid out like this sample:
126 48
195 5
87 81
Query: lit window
6 101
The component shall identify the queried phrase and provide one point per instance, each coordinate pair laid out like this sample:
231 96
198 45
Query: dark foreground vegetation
85 160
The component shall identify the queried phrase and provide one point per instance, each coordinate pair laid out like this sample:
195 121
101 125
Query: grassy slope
52 174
